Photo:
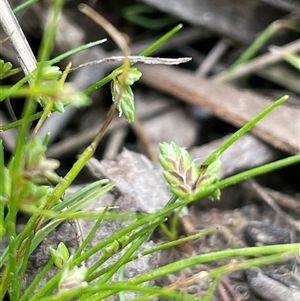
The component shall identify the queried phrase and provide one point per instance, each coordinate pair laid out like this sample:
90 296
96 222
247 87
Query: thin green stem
174 222
176 242
36 280
74 51
45 115
166 231
214 256
117 265
24 5
48 39
17 123
2 189
121 278
13 89
245 264
215 154
253 49
24 263
16 175
161 40
122 286
209 293
91 234
246 175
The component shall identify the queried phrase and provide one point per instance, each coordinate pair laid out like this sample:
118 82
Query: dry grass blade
265 197
5 39
12 28
122 42
260 62
137 59
119 38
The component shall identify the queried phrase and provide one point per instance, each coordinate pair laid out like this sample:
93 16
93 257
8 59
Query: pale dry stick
120 39
146 143
281 199
208 63
204 276
213 57
223 293
260 62
284 200
264 195
4 39
122 42
19 42
114 143
227 285
137 59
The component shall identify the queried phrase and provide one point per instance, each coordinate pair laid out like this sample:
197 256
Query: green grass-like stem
114 288
16 123
24 263
215 154
2 189
246 175
74 51
48 39
36 280
161 40
91 234
176 242
260 41
214 256
114 268
24 5
93 274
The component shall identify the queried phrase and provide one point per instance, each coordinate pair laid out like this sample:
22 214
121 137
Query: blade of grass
117 287
161 40
253 49
121 261
214 256
36 280
48 39
79 195
24 263
74 51
24 5
246 175
2 189
215 154
91 233
17 123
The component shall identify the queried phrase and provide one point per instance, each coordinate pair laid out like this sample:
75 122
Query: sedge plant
25 179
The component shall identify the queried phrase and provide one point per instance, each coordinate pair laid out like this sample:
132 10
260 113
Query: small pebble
261 233
269 289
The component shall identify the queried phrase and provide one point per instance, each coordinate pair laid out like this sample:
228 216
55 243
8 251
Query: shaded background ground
194 113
